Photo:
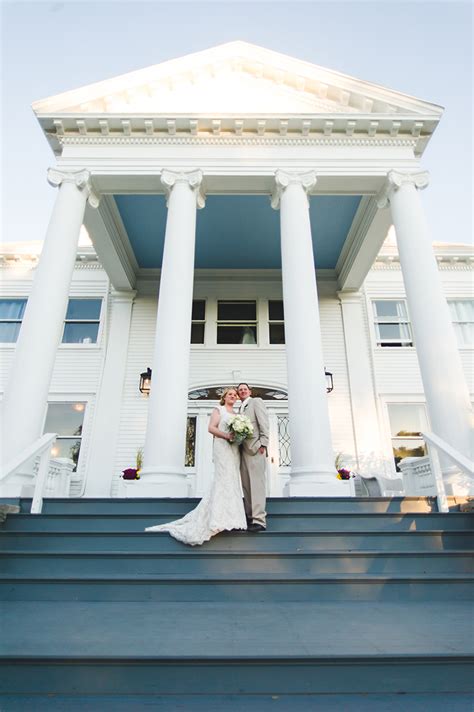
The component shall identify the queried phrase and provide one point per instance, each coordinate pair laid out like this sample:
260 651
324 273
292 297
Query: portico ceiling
236 231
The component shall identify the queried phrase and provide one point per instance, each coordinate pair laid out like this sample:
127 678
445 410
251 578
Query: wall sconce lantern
329 381
145 382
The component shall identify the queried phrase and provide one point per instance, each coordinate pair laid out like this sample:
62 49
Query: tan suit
253 463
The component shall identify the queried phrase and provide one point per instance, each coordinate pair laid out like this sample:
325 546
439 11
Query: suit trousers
253 475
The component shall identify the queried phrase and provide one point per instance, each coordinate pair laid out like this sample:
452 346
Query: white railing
40 449
434 446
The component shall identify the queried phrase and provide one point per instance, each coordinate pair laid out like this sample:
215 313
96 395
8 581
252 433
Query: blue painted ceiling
236 231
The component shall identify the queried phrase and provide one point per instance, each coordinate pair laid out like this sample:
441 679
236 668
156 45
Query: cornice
229 140
452 264
83 262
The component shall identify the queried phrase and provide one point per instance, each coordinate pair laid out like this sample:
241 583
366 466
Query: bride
222 506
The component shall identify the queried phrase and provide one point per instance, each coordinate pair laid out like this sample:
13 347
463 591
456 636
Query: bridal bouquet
241 427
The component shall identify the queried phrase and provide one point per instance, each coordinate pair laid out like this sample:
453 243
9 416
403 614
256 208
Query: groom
253 453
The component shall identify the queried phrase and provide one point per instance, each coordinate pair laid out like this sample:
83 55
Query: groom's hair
244 384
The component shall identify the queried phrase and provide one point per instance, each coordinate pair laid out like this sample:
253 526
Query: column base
156 482
313 483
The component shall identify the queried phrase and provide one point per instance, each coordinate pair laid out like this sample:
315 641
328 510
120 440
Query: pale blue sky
422 48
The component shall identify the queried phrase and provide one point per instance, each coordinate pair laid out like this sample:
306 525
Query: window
81 325
462 314
66 419
392 326
11 315
190 452
276 325
198 321
407 421
237 322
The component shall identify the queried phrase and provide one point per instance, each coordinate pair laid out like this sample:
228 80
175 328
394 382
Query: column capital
283 179
81 179
193 179
395 179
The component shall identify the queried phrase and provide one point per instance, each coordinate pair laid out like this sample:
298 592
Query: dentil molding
123 140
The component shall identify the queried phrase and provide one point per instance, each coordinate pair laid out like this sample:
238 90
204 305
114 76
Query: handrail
33 450
42 449
435 444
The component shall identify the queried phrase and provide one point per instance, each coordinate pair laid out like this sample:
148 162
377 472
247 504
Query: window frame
226 322
275 321
468 347
204 321
399 399
103 307
376 321
12 344
68 399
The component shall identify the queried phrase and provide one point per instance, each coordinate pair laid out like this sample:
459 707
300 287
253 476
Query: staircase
343 604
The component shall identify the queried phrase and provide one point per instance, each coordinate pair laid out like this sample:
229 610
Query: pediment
234 78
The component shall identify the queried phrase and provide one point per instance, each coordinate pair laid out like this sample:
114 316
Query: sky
421 47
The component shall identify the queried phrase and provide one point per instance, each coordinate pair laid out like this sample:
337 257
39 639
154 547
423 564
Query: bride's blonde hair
227 390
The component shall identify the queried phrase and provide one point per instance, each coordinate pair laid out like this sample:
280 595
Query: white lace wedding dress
222 506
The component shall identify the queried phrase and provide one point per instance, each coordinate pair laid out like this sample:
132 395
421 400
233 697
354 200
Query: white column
106 424
27 390
312 457
369 454
441 369
163 473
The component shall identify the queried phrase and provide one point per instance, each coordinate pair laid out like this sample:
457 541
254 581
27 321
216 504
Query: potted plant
133 473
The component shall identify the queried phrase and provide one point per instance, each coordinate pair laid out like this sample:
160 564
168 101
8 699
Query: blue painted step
257 587
422 702
235 562
340 595
285 505
217 648
434 540
125 523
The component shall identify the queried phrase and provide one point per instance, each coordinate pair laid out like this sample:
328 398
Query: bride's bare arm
213 429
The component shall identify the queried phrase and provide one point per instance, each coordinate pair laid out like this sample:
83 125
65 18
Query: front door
199 461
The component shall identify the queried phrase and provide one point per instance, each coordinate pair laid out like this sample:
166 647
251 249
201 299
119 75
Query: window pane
407 419
237 311
275 310
464 334
199 309
83 309
9 332
277 333
407 448
65 418
197 333
67 447
80 333
462 309
236 335
390 308
189 455
12 308
394 332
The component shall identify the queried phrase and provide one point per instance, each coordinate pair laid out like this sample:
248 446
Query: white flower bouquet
241 427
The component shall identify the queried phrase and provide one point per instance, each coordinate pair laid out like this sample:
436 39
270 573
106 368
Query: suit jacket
256 411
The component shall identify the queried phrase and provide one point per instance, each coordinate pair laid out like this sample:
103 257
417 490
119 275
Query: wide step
358 596
216 648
